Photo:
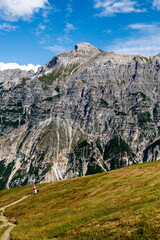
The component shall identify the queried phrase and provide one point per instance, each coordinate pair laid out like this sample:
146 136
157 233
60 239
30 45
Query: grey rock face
84 112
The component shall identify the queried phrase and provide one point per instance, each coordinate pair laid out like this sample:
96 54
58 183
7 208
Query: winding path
6 235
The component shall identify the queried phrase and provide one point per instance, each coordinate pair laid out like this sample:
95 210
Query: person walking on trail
35 190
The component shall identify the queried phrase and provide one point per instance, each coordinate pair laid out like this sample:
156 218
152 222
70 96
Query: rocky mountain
84 112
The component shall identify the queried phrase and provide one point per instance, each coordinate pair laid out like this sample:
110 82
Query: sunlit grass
2 231
121 204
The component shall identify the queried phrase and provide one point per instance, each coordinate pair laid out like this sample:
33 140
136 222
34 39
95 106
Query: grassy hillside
121 204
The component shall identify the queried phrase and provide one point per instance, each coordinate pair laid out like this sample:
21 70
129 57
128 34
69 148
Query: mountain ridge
84 112
87 49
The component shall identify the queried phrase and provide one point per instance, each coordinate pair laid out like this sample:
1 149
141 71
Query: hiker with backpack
35 190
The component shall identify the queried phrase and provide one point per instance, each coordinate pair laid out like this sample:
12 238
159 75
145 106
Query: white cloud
69 10
147 46
156 4
40 29
143 26
7 27
58 48
69 27
15 9
48 10
4 66
143 40
108 31
111 7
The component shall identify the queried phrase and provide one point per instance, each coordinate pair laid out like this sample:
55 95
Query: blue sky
33 31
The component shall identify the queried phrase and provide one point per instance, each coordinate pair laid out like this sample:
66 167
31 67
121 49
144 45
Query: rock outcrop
84 112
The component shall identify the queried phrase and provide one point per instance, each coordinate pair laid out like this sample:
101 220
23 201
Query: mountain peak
85 47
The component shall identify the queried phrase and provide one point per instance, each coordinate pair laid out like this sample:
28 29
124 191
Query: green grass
148 60
2 231
83 81
144 117
51 77
121 204
104 103
57 74
24 81
12 195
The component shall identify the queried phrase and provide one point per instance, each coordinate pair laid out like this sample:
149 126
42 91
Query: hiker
35 190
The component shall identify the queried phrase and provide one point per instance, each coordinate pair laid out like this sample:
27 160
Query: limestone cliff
84 112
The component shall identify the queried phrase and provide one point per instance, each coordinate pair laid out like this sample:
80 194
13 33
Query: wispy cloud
63 44
13 10
48 10
143 26
112 7
4 66
69 27
45 39
147 43
40 29
156 4
6 27
108 31
147 46
58 48
69 10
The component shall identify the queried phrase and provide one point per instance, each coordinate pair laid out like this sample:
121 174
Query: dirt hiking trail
6 223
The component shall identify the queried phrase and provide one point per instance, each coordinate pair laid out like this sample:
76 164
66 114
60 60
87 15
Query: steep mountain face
85 111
